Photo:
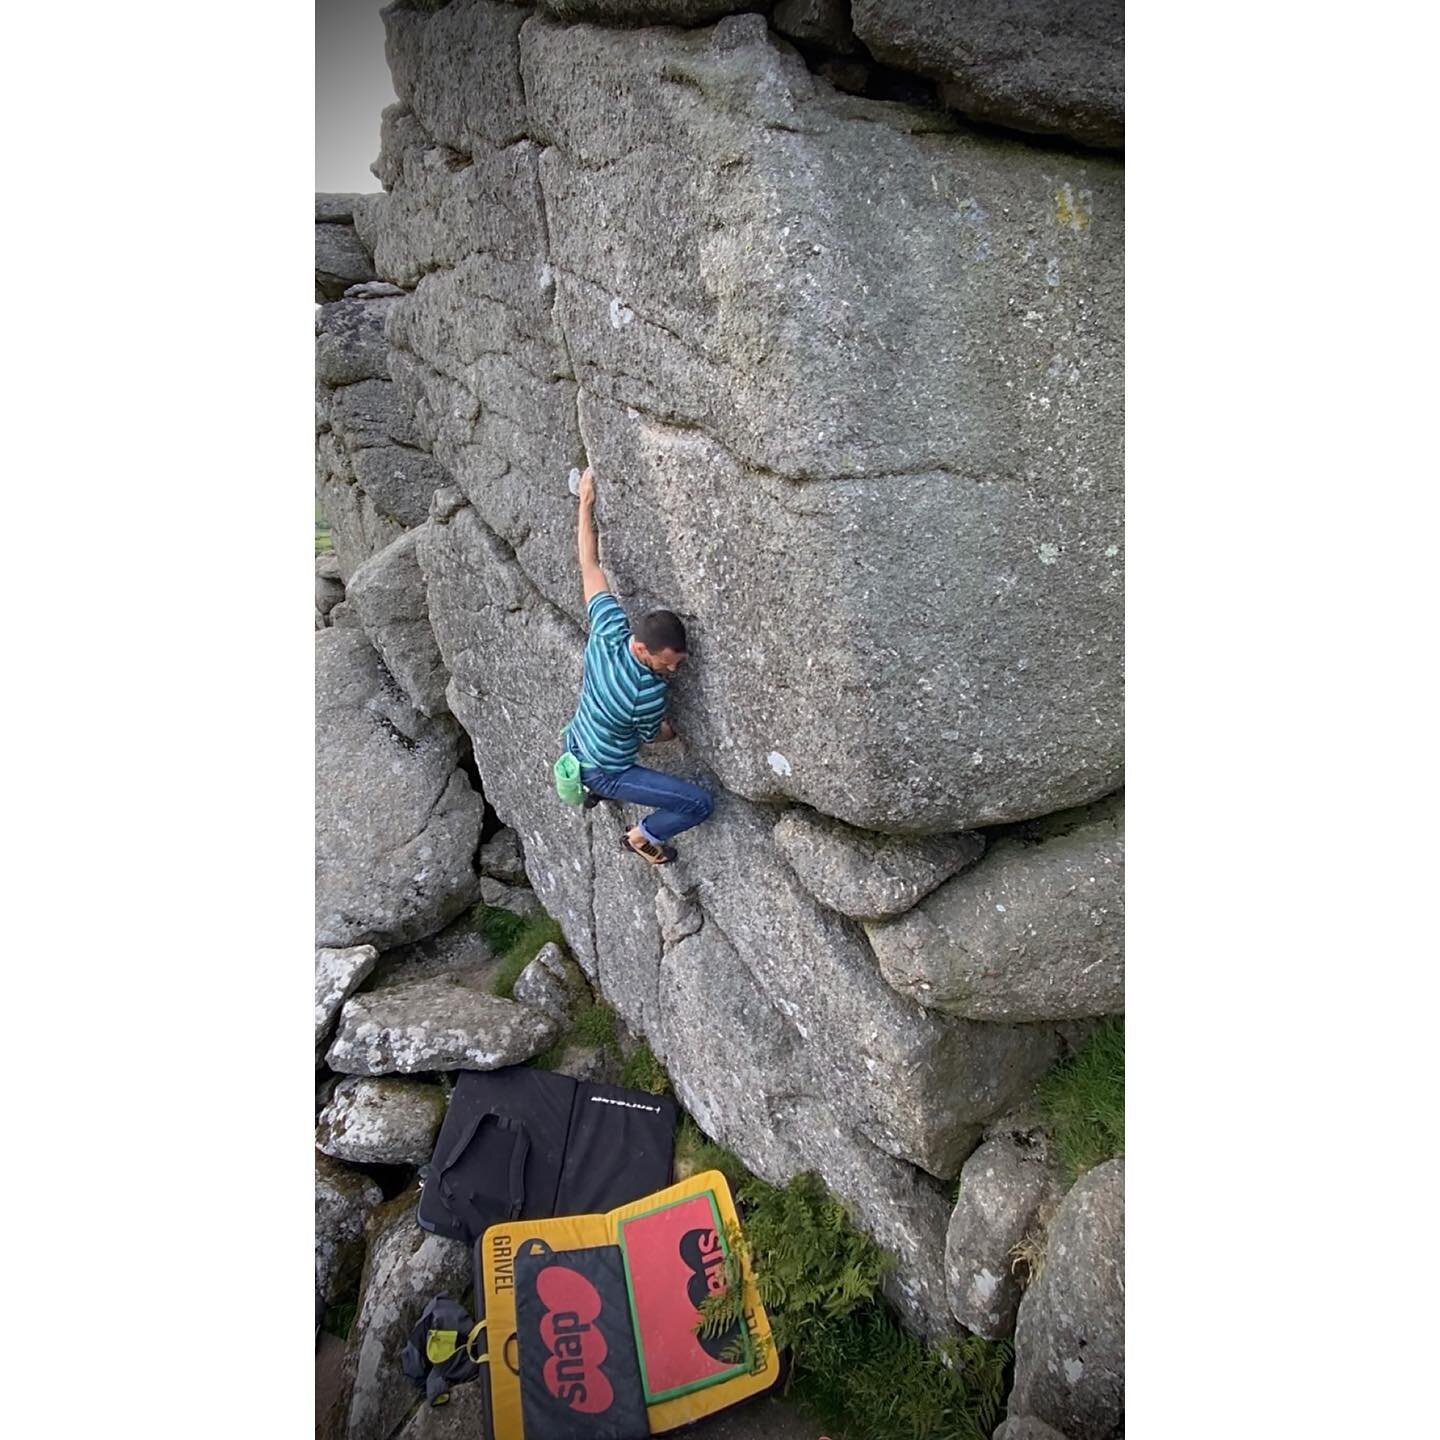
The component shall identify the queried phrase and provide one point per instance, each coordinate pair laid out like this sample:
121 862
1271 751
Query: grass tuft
695 1151
1083 1101
595 1025
516 940
642 1071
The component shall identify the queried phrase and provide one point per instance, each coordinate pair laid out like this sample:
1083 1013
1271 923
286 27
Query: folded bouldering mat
592 1320
521 1143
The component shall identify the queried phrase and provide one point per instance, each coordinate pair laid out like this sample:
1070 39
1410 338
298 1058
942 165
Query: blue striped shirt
622 702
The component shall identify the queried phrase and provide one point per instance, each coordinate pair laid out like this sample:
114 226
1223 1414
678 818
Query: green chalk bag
567 780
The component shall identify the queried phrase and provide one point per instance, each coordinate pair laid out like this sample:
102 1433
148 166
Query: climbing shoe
655 854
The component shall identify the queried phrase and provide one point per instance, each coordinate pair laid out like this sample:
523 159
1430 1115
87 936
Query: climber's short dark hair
661 630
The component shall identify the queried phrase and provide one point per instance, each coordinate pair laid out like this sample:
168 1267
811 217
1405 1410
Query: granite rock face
371 480
388 593
553 983
1070 1338
404 1268
821 22
341 260
460 950
338 974
849 374
1054 67
1034 932
397 822
381 1121
436 1024
760 363
1008 1188
501 858
343 1200
724 1045
866 875
1026 1427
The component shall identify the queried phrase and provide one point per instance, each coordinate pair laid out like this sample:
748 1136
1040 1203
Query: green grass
323 542
642 1071
516 940
1083 1101
864 1378
595 1025
695 1151
853 1368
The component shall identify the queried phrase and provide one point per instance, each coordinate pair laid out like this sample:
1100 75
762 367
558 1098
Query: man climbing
622 705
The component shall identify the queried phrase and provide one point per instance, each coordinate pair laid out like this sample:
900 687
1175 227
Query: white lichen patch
983 1286
1048 553
620 314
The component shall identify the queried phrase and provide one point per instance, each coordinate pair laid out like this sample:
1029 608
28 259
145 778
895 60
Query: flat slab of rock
1070 1337
338 974
1053 67
404 1269
436 1024
866 875
381 1121
1035 931
388 594
1004 1188
397 823
343 1200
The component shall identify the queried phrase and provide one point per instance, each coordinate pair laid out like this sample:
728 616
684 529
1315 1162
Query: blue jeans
681 804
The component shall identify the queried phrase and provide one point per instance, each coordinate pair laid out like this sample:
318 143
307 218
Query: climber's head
658 642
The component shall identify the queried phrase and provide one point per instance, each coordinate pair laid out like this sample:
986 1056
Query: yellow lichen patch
1072 211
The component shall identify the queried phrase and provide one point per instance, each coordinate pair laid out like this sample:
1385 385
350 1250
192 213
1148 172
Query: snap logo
700 1250
576 1345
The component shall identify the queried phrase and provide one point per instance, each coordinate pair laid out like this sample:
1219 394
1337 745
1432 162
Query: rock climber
622 705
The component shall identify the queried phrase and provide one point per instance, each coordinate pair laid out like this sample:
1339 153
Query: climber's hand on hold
667 731
592 577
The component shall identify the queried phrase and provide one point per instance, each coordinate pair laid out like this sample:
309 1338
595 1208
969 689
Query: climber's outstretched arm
592 577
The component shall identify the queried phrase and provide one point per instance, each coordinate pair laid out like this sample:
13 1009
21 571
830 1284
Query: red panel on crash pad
674 1258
